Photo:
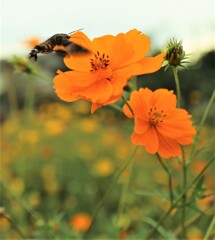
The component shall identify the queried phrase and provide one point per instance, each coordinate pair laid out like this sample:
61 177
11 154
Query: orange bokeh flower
99 76
32 42
81 222
159 125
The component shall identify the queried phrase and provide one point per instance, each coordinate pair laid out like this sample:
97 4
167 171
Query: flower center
156 117
99 62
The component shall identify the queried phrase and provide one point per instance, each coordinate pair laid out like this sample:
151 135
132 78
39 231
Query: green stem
124 193
166 169
177 83
117 107
15 227
39 75
184 167
210 229
107 193
209 105
30 98
23 203
165 215
189 222
126 102
184 199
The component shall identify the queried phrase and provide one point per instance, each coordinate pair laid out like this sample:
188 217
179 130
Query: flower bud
174 53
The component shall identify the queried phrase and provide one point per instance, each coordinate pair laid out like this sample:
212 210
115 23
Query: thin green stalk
117 107
107 193
12 96
166 214
210 229
190 222
15 227
166 169
210 103
184 167
39 75
208 108
124 193
30 97
126 102
178 89
184 199
23 203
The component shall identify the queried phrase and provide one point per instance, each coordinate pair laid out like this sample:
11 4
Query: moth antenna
76 31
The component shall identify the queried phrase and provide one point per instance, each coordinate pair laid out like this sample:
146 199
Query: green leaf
199 189
163 232
147 194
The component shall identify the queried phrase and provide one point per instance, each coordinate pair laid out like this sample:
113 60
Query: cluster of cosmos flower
101 75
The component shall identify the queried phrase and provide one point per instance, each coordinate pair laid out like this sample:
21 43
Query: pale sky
192 21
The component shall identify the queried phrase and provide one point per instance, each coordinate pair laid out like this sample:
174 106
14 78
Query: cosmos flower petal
103 44
72 78
65 91
121 77
95 106
103 92
81 39
150 64
127 111
164 99
141 126
170 131
140 44
151 140
168 147
138 139
125 50
79 63
187 137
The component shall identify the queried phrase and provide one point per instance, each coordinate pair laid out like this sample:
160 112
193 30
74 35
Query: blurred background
57 160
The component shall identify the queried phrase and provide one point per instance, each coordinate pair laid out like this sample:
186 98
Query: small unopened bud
22 64
175 54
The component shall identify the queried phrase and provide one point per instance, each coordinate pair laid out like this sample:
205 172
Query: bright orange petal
141 126
99 92
173 131
138 139
140 102
140 44
164 99
94 107
103 44
121 52
78 79
120 78
82 40
64 90
187 138
151 140
168 147
150 64
79 63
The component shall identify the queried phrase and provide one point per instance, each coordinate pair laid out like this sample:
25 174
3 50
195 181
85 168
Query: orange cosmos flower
81 222
100 76
32 42
159 125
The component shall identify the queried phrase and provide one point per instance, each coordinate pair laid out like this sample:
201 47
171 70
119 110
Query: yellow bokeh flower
104 167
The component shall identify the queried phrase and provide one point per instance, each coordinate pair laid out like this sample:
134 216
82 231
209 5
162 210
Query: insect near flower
60 43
